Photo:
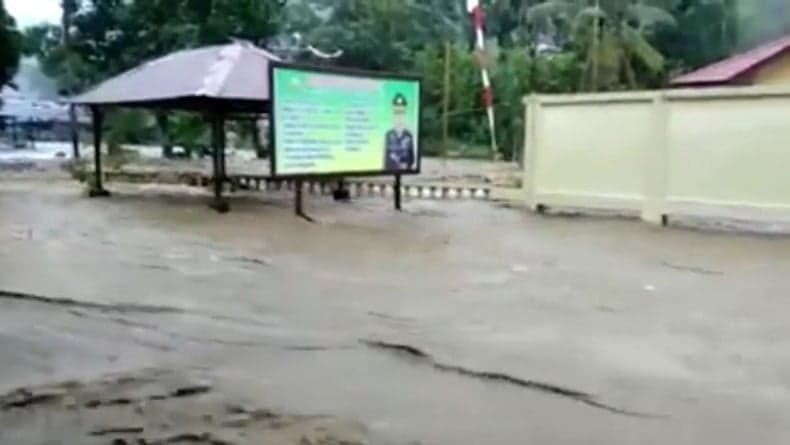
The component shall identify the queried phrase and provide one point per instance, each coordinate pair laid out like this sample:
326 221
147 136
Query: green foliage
35 38
106 37
613 36
189 130
758 21
10 46
466 119
514 74
537 46
385 34
128 126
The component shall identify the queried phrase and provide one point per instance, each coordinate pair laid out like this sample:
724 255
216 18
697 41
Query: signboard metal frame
342 72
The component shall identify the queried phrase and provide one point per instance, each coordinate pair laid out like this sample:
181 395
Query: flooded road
499 326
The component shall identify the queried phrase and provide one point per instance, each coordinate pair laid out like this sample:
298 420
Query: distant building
33 110
22 108
767 64
546 45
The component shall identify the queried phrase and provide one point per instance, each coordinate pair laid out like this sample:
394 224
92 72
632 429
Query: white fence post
656 167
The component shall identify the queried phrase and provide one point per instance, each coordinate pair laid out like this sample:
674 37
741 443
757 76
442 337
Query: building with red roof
768 64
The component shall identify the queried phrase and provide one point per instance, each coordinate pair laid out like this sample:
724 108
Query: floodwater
52 150
676 336
47 156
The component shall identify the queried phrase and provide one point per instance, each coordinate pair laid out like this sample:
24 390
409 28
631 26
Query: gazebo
221 82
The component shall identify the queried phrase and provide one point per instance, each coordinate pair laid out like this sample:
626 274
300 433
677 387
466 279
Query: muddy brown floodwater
453 322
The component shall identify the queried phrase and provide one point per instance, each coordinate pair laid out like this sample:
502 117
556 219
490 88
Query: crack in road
691 269
585 398
409 351
173 335
122 308
104 307
74 307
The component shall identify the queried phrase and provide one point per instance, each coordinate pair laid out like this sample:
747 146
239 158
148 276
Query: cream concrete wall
777 72
714 152
578 156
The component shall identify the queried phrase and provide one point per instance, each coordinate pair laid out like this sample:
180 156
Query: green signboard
342 123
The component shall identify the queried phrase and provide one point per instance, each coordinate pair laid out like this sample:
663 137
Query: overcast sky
30 12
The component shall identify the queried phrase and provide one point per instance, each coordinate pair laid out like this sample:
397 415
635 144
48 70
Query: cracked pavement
689 325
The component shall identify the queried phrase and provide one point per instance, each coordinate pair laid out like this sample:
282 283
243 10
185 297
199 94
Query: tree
759 22
385 34
34 38
10 46
69 9
707 31
107 37
612 34
163 123
548 46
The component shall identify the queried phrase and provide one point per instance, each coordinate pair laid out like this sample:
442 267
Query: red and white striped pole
476 10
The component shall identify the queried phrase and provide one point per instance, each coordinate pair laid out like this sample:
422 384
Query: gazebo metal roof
228 78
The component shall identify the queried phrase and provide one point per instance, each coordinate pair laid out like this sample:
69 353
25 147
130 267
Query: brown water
686 326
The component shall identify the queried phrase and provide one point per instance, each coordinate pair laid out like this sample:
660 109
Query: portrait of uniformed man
399 149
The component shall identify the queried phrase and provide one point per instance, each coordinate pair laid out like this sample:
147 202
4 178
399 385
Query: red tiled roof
730 69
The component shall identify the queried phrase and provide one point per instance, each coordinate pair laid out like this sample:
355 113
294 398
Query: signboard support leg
397 193
298 208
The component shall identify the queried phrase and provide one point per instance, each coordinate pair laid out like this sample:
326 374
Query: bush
514 74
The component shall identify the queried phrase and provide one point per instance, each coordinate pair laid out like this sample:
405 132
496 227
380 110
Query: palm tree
612 34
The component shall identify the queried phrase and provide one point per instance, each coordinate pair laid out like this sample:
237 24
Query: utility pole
596 50
69 8
446 104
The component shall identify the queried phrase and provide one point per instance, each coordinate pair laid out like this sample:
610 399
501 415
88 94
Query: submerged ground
453 322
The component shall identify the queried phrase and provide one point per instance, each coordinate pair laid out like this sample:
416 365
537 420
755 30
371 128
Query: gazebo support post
74 131
97 188
218 157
